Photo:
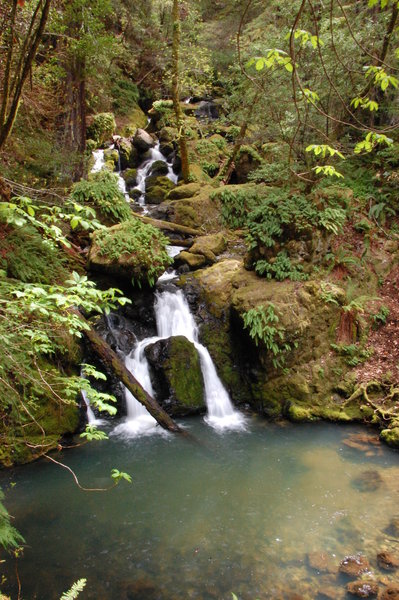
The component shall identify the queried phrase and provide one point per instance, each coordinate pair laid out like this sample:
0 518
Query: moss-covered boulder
210 246
187 190
157 188
199 211
131 251
143 140
194 261
128 154
179 383
391 436
111 155
130 177
134 119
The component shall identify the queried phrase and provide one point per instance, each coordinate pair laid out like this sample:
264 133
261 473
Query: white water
99 164
173 317
144 170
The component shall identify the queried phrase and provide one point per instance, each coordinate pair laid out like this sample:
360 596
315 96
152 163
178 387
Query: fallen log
112 360
167 226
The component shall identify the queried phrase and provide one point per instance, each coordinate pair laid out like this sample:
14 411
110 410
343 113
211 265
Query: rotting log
167 226
112 360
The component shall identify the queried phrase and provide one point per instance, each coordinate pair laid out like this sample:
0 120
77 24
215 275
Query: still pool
230 512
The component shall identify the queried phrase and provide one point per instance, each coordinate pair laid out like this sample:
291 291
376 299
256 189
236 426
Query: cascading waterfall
173 317
144 170
99 163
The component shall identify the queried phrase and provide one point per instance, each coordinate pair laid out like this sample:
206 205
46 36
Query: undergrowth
101 192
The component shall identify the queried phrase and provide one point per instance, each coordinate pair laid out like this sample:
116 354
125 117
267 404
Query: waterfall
173 317
91 417
144 170
99 161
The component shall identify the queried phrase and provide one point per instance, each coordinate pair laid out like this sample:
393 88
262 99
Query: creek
238 511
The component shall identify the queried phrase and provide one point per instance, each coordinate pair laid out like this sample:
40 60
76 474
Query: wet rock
184 191
159 167
130 176
157 188
368 481
143 141
210 246
321 562
362 589
128 155
179 382
194 261
391 436
390 593
388 560
329 593
354 565
394 527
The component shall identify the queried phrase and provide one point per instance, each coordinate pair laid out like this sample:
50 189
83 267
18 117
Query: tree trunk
14 82
185 167
112 360
167 226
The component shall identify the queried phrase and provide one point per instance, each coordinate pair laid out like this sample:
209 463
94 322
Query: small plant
102 127
262 323
380 318
353 354
281 268
102 192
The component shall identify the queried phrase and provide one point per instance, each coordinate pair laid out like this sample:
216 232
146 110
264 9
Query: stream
237 512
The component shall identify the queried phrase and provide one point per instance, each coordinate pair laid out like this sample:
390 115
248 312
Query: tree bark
185 167
112 360
12 94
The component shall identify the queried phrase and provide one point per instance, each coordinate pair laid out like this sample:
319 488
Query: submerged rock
388 560
178 375
368 481
362 589
390 593
321 562
354 565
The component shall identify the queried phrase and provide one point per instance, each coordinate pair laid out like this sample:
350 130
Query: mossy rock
187 190
157 188
391 436
128 154
159 167
177 369
130 177
210 246
133 251
112 155
194 261
133 120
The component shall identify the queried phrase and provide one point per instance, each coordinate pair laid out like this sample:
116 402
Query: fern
281 268
9 537
75 590
102 192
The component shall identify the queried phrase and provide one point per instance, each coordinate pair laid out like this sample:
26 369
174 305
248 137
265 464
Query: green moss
391 436
183 371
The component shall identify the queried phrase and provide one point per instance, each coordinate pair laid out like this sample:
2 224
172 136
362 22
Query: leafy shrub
103 193
280 268
45 263
101 128
262 323
380 318
144 245
272 173
125 94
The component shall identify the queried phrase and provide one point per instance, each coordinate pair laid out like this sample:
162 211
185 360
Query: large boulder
187 190
143 141
128 155
179 383
159 167
157 188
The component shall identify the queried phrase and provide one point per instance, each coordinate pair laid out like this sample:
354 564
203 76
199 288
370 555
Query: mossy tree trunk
112 360
185 167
